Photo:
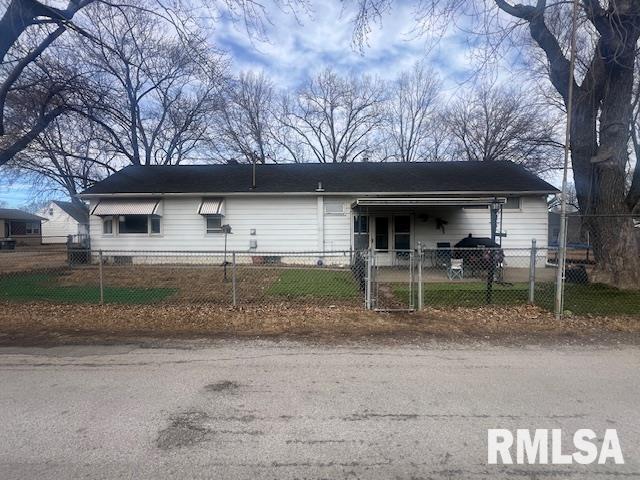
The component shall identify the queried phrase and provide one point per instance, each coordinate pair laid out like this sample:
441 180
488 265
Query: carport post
532 272
233 278
101 277
420 291
367 299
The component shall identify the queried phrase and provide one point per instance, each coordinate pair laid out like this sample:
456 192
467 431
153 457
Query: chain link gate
392 280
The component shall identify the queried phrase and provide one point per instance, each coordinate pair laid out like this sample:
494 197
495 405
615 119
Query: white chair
456 269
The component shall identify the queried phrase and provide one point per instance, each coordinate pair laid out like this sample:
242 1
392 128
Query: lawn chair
456 269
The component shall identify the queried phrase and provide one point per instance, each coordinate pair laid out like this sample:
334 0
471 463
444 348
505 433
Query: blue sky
13 194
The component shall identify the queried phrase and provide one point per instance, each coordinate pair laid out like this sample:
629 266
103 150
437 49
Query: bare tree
66 158
491 123
410 119
334 117
154 93
28 28
246 120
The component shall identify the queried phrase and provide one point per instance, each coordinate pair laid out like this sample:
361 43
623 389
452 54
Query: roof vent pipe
319 189
253 174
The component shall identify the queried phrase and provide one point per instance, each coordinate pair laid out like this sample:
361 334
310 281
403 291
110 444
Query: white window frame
355 234
32 228
159 232
148 233
212 231
518 207
104 222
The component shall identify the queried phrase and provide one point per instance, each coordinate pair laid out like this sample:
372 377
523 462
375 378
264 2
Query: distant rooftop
78 212
15 214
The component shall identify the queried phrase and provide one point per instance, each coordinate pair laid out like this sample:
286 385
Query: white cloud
295 49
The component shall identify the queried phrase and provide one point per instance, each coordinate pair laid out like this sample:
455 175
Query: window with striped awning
137 206
212 206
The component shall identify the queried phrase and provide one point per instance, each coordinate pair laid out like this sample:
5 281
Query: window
513 203
334 207
402 232
107 226
214 223
51 212
32 228
360 232
154 220
133 224
382 233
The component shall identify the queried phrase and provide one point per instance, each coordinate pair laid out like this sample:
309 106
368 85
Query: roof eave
254 193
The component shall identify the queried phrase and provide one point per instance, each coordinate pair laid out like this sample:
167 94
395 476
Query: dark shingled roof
79 213
15 214
384 178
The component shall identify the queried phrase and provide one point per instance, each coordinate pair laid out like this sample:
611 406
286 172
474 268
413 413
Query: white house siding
59 225
281 224
337 227
306 223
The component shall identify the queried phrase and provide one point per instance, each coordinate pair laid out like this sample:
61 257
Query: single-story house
64 219
315 207
23 227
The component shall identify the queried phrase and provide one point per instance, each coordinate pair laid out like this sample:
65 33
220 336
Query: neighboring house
315 207
23 227
64 219
577 234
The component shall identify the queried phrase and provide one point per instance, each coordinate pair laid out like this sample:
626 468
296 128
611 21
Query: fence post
532 272
420 265
367 299
101 277
233 279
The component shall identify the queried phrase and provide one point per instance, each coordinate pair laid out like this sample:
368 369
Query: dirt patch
27 259
193 284
41 323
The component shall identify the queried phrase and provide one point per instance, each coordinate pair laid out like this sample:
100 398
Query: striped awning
137 206
212 206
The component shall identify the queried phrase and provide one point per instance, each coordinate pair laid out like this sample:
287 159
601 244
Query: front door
391 238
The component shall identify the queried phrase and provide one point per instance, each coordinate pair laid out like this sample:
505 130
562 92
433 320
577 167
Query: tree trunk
599 172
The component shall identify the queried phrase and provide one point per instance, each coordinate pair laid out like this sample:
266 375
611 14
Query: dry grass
206 284
30 258
18 323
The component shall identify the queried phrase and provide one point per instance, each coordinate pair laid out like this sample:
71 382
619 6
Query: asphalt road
285 411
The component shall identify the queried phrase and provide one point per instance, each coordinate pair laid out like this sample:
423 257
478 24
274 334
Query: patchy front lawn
143 284
307 283
591 299
32 287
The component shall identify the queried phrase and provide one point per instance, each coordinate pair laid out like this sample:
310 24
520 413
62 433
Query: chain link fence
233 278
392 280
